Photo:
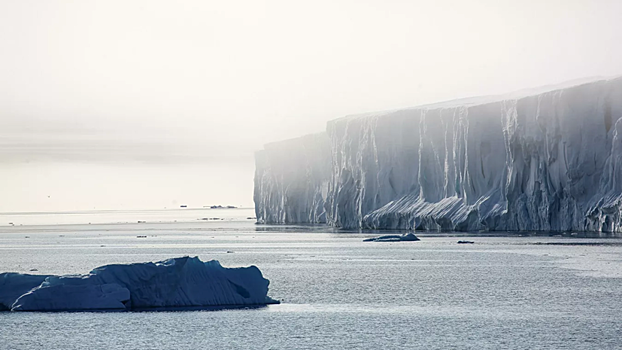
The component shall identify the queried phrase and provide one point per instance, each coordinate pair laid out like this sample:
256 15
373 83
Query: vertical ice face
546 160
291 180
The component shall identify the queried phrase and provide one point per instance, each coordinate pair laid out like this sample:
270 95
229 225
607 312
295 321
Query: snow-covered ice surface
337 292
545 159
173 283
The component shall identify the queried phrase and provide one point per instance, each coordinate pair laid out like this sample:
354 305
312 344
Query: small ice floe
394 238
465 242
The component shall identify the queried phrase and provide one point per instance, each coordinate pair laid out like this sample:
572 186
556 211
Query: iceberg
13 285
406 237
173 283
547 159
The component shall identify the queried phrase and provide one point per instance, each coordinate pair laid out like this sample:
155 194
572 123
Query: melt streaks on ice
291 180
179 282
547 160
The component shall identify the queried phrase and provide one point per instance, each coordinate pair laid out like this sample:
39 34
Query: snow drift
544 160
179 282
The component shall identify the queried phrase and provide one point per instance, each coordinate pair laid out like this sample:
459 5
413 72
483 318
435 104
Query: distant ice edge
173 283
534 161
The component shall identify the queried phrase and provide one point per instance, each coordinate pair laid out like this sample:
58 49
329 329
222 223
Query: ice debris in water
394 238
173 283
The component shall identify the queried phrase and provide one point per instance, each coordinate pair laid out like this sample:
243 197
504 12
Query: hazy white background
152 104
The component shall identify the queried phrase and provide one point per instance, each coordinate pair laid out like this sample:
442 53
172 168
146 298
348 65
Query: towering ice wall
291 180
546 160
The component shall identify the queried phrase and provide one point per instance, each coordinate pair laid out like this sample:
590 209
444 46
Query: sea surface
501 292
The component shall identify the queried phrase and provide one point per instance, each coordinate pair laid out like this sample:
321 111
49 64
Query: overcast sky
146 104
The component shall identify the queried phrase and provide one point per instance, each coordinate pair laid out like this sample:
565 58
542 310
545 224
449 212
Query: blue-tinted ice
173 283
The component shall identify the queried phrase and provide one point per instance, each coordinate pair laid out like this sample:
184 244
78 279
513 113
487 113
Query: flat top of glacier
464 102
480 100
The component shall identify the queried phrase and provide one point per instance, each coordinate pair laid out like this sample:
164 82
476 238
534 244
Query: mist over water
121 122
130 104
52 186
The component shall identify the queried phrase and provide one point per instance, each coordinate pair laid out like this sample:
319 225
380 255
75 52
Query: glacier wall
548 160
291 180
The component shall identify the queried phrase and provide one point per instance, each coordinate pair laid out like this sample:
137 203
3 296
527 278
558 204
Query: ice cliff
180 282
291 180
546 160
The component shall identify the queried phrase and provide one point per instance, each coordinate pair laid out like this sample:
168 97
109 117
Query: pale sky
151 104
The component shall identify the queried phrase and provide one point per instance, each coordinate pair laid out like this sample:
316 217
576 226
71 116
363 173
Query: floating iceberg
406 237
538 160
13 285
173 283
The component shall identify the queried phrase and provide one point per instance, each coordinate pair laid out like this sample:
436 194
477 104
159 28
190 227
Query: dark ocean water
337 292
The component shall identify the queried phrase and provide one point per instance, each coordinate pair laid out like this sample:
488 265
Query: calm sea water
337 292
